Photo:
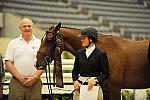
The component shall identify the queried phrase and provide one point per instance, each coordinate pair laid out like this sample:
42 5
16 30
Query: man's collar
20 37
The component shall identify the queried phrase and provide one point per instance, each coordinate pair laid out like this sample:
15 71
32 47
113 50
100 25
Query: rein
48 60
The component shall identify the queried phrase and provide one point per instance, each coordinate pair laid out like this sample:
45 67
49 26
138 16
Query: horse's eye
49 36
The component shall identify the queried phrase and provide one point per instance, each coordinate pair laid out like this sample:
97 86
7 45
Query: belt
16 78
80 81
85 83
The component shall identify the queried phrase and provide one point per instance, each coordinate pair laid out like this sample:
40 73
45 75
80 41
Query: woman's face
85 41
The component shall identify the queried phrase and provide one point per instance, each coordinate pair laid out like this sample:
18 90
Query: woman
91 64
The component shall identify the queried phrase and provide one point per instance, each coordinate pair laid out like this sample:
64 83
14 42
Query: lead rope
48 79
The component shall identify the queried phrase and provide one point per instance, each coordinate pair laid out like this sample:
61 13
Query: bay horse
128 63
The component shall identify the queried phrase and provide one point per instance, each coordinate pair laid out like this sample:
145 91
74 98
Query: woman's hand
76 85
91 83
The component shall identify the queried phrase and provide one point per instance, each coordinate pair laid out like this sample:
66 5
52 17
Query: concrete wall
11 27
3 44
1 20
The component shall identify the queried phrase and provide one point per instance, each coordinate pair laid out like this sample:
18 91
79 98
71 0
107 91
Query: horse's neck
72 45
71 41
108 43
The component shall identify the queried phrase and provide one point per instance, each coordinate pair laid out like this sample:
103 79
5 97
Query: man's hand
30 81
76 85
21 79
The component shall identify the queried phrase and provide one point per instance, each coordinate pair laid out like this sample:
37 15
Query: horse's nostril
40 66
37 65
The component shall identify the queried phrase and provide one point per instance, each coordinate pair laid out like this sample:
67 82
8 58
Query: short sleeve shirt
23 55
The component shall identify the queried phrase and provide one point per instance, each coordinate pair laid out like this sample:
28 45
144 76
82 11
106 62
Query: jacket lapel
83 53
93 54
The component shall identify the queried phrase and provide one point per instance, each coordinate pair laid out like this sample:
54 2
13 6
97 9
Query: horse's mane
114 37
76 29
71 28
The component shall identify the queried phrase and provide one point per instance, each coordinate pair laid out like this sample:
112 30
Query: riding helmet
91 33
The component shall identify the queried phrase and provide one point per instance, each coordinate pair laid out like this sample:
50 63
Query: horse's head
50 40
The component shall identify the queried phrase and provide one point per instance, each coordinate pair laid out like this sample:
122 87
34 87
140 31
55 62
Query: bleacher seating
105 15
127 14
47 12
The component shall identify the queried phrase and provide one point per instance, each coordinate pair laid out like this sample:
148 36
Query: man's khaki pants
18 91
77 93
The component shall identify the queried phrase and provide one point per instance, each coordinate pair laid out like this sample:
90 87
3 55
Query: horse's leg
114 89
106 94
1 91
148 55
111 91
105 91
115 93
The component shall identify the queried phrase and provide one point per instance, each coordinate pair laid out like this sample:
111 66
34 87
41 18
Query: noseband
46 58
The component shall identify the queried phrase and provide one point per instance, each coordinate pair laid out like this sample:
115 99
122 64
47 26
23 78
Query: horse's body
128 63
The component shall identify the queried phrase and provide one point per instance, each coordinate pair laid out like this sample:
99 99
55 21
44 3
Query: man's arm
13 71
38 74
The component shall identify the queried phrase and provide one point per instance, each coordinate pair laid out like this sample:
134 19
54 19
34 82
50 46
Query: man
91 64
20 58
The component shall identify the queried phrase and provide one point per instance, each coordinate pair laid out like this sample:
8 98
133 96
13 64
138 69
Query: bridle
47 56
57 70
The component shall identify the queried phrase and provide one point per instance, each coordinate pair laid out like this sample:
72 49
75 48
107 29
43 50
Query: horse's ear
58 27
51 26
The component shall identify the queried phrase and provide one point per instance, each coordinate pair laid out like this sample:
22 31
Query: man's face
26 27
85 41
